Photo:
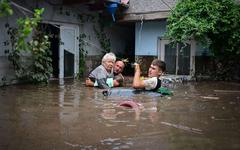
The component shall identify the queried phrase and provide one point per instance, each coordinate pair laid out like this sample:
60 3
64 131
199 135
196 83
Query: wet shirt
152 83
100 76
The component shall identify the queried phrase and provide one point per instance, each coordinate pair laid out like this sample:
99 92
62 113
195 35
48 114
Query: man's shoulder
96 71
98 68
152 83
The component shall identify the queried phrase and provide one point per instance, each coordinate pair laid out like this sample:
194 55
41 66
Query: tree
215 23
40 68
5 8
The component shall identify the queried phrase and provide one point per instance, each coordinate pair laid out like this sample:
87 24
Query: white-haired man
108 74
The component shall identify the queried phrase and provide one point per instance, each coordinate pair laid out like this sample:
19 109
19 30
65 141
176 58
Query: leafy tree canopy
215 23
5 8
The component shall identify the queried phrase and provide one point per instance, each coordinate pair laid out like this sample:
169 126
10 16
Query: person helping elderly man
108 74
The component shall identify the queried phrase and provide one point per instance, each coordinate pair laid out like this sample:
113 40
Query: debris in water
210 97
72 145
130 104
227 91
194 130
107 92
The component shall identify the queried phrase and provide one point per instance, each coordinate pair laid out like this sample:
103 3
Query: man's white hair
109 56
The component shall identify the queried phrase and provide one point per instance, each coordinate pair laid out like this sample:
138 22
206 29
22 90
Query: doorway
69 51
53 32
64 48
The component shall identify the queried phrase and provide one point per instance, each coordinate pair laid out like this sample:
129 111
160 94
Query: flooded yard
68 115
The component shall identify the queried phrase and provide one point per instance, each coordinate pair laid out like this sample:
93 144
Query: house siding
146 45
64 15
146 37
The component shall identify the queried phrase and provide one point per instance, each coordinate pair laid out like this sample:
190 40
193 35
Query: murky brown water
67 116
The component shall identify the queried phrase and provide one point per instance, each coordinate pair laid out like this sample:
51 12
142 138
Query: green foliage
215 23
25 28
226 68
82 55
40 67
5 8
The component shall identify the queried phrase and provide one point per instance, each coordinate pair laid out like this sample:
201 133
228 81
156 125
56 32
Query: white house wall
53 15
93 47
116 34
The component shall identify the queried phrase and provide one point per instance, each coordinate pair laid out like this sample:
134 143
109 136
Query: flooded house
200 115
150 19
132 29
75 26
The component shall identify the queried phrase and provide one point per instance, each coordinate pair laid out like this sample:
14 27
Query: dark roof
145 6
147 10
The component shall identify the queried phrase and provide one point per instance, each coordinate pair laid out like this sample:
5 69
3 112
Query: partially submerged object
123 92
106 92
130 104
165 91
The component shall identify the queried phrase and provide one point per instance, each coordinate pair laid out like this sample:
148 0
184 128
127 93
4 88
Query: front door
69 52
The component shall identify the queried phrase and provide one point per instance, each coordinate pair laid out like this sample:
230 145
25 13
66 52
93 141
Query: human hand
88 82
137 66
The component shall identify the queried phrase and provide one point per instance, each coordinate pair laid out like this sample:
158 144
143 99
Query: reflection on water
68 115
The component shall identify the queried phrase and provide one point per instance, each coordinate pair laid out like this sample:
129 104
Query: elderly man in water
108 74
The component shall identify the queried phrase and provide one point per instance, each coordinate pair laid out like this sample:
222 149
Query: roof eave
135 17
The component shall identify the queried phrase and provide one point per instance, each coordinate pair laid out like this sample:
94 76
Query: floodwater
63 116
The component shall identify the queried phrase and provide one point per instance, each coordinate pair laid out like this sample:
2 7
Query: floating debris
72 145
221 119
109 141
80 146
227 91
210 97
107 92
194 130
130 104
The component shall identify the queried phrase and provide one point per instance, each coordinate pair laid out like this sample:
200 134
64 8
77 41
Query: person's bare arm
137 82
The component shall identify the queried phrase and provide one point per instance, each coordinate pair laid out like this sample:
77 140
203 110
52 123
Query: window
179 59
